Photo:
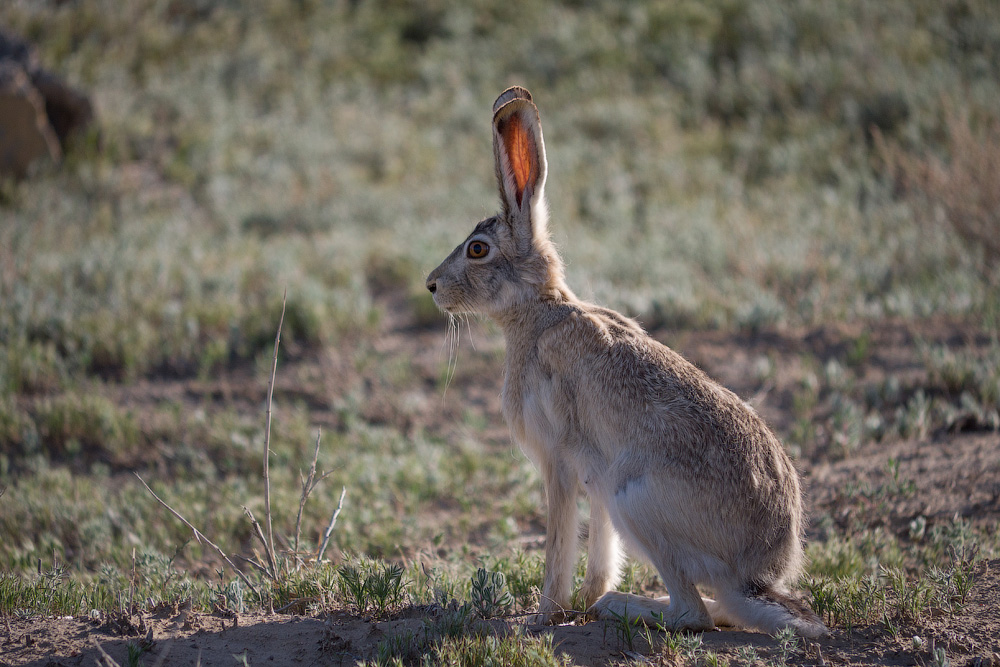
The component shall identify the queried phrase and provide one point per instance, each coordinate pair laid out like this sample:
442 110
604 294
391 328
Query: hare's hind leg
646 518
720 615
651 611
683 609
616 605
686 610
603 555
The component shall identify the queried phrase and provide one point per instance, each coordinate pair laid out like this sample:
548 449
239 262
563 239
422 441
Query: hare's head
508 261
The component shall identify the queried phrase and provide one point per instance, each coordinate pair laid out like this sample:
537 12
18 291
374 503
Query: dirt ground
971 637
957 474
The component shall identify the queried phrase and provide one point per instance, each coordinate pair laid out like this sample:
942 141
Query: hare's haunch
676 467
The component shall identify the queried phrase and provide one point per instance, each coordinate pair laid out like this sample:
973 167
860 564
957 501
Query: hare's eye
478 250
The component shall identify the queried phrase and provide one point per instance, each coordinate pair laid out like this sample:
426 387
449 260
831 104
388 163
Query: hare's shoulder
594 344
589 333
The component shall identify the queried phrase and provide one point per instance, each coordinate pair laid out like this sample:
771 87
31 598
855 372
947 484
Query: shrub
962 191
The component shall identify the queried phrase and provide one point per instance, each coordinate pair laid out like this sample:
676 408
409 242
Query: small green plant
372 586
952 584
712 659
848 601
847 425
626 629
490 597
788 644
914 420
455 621
896 485
939 658
909 599
394 649
747 655
859 349
524 573
134 652
690 646
671 640
892 626
353 587
962 577
515 650
231 596
387 587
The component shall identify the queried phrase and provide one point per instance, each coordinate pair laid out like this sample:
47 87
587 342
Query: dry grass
961 191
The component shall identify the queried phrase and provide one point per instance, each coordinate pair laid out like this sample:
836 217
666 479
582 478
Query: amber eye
477 250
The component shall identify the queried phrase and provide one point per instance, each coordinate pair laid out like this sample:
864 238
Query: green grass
839 406
892 598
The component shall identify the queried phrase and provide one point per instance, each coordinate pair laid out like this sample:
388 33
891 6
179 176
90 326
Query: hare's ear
520 157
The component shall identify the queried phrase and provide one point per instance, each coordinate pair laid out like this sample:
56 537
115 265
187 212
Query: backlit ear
519 152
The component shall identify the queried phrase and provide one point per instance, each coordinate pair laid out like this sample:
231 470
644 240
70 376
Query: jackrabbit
676 466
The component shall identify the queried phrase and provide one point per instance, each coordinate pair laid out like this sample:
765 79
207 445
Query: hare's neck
524 325
525 321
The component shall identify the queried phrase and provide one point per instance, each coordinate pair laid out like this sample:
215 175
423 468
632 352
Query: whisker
452 339
468 326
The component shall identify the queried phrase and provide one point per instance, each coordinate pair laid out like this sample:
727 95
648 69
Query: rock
25 133
39 112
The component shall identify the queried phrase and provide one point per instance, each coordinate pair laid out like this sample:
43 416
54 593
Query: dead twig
201 537
108 660
333 522
269 545
257 566
309 484
260 536
307 487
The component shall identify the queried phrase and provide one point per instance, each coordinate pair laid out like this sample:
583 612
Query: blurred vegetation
711 163
722 163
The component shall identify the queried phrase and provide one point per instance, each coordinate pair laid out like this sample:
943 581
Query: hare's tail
772 610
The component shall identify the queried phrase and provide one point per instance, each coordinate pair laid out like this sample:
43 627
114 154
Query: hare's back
631 392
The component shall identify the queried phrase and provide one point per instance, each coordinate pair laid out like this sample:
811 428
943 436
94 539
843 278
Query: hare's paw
550 618
593 590
616 606
611 606
551 613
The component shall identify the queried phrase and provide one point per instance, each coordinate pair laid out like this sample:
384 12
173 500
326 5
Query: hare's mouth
453 307
444 304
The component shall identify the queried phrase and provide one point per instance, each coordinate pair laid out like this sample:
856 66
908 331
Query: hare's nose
432 286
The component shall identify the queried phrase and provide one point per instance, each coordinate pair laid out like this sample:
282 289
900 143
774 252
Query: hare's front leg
560 541
603 555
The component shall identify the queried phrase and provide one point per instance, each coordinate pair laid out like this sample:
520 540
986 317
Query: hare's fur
676 466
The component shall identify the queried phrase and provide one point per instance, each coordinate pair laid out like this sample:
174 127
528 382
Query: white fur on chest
531 409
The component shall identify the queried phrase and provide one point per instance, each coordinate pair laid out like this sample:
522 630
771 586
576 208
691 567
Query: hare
676 467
